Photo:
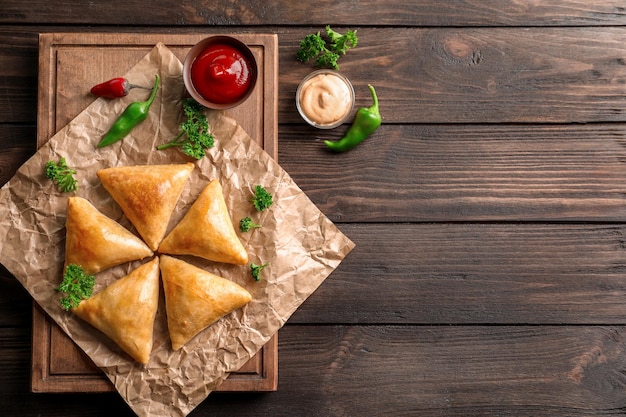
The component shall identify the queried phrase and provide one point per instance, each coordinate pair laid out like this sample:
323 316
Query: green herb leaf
62 175
339 43
246 224
310 47
255 270
262 199
314 47
194 137
77 285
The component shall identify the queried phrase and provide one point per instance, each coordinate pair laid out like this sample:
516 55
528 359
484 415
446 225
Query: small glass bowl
199 48
348 105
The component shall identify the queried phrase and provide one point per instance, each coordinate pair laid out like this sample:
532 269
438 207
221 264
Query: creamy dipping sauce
325 99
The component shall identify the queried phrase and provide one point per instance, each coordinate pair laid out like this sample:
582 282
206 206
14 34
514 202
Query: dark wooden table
489 276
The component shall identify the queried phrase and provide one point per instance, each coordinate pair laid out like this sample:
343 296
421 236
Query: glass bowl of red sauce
220 72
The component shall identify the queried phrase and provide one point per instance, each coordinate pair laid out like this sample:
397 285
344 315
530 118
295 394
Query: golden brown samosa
207 230
125 310
147 195
97 242
195 298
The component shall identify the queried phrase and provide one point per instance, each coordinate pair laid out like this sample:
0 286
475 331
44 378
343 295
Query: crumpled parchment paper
301 244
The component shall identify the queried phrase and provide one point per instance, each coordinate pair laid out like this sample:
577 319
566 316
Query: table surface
488 211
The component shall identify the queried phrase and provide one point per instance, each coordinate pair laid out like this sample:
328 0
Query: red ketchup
221 74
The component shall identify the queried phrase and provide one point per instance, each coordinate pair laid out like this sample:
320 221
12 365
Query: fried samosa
125 310
207 231
195 298
97 242
147 195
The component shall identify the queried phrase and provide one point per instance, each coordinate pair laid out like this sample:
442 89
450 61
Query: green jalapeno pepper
366 121
135 113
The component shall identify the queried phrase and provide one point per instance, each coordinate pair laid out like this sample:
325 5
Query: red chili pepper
114 88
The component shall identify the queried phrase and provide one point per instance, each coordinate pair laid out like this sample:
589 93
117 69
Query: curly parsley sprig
314 46
255 270
62 175
246 224
77 285
262 198
194 137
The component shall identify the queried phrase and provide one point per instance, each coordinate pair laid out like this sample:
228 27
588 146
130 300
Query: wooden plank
13 298
14 150
69 62
472 273
18 76
425 173
451 371
449 172
374 370
285 12
456 273
457 75
481 75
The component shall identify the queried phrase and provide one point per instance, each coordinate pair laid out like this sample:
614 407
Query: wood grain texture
401 370
456 273
488 210
285 12
475 273
13 298
465 173
14 151
448 172
452 172
438 75
481 75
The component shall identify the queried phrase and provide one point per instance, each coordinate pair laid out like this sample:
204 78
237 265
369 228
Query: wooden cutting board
69 64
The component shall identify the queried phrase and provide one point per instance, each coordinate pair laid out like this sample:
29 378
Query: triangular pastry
147 195
207 231
125 310
97 242
195 298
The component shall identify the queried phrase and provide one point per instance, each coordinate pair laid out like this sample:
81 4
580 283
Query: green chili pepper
366 121
135 113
